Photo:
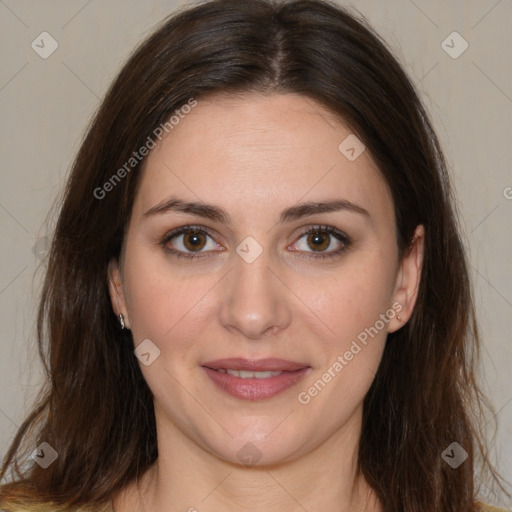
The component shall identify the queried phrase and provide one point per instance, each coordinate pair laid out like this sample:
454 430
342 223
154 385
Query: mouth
254 379
244 374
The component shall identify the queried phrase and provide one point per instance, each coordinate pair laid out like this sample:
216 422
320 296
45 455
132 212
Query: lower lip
253 388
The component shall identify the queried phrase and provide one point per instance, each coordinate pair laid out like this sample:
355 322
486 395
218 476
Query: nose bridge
254 300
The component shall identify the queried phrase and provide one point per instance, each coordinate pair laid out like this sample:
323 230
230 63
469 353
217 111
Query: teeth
243 374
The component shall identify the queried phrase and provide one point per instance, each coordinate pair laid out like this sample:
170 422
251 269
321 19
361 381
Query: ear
408 280
115 288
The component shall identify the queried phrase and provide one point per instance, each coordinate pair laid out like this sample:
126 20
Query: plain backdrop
46 105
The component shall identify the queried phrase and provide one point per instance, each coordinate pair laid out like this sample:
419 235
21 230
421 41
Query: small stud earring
121 321
398 318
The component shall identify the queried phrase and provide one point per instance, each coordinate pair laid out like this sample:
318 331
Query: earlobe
115 287
408 279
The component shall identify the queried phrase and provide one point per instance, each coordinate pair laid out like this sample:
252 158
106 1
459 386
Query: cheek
146 292
352 307
164 305
351 298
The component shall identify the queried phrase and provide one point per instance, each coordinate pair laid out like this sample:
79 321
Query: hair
95 408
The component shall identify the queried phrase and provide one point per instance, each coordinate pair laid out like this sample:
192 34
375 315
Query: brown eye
323 242
189 241
194 240
318 241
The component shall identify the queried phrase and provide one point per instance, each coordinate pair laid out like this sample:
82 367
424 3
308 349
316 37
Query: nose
255 303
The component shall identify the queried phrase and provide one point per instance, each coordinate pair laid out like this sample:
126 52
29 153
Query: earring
398 318
121 321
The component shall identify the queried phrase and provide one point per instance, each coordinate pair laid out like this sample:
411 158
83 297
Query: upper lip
255 365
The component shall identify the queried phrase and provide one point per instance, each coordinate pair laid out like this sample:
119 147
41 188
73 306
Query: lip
254 388
255 365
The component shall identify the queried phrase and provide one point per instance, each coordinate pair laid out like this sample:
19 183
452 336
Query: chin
258 449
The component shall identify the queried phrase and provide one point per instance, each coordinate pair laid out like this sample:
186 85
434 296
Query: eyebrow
292 213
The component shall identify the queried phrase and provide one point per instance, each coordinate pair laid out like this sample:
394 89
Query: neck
193 479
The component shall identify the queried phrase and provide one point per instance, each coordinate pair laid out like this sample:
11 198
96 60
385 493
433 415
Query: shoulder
31 505
488 508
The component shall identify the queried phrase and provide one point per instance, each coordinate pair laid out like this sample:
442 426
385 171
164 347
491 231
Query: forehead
259 154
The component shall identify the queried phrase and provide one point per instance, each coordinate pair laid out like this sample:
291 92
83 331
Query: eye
319 239
194 242
187 240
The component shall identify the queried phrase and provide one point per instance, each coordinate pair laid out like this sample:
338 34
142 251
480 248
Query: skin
254 156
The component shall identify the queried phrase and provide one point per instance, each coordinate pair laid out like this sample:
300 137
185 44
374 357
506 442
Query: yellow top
488 508
109 508
483 506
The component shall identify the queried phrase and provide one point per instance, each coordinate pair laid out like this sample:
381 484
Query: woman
257 296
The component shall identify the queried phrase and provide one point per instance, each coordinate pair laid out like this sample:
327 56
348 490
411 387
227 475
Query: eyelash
339 235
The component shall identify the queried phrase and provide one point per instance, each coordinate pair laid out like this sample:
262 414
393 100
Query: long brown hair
96 409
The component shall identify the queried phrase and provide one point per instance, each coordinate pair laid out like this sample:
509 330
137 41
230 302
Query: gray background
46 104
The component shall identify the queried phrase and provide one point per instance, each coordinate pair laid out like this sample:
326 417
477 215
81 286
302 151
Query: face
286 265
